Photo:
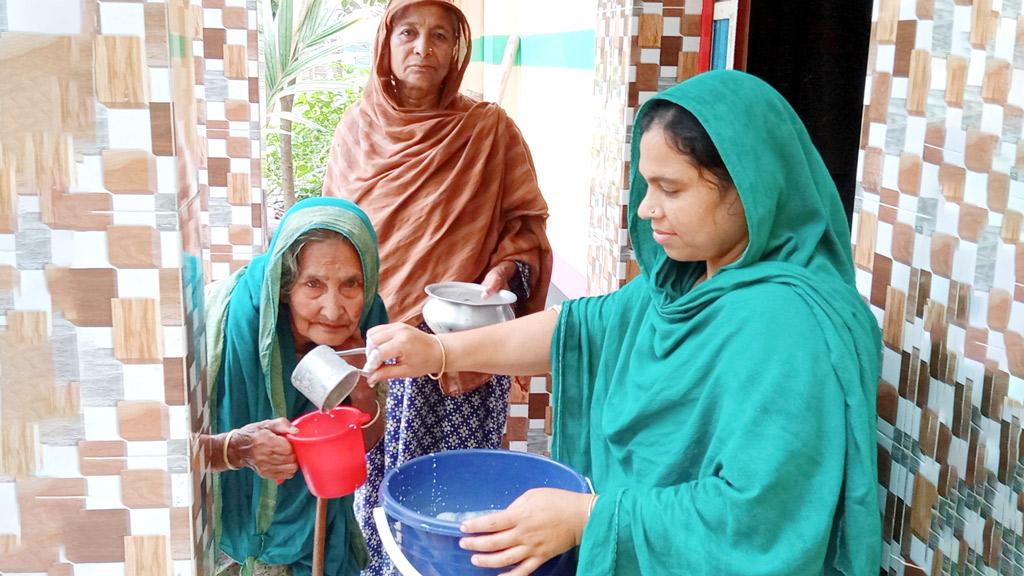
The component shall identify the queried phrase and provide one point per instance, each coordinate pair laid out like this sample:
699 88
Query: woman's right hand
414 352
263 447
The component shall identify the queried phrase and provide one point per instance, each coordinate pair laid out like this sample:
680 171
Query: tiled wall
939 255
642 47
102 217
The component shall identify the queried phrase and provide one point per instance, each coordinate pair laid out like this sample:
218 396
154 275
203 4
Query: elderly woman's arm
259 445
520 347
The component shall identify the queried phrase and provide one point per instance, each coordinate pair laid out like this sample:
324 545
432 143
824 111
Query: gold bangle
375 416
444 360
224 453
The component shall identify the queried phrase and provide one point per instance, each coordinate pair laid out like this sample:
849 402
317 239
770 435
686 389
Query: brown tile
139 420
888 18
79 211
195 24
956 79
864 248
238 147
240 234
213 43
174 381
943 250
254 90
83 295
121 75
236 63
10 278
96 536
888 402
146 489
129 171
102 449
687 66
884 466
61 570
238 189
161 122
976 344
890 200
156 35
235 17
925 497
925 9
518 428
980 149
906 35
895 309
934 142
181 534
881 88
874 158
928 434
903 237
253 46
134 246
650 30
998 191
137 330
1014 352
918 82
910 173
218 171
973 221
237 110
952 179
995 87
147 556
538 405
671 46
647 77
999 305
170 297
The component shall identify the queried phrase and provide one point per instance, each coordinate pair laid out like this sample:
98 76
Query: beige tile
981 147
18 453
121 74
888 19
956 79
650 30
134 246
8 200
156 35
235 62
129 171
995 88
30 328
83 295
919 82
910 173
238 189
137 330
146 488
864 249
94 536
973 221
983 23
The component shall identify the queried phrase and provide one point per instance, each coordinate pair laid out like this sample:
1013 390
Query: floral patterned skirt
420 420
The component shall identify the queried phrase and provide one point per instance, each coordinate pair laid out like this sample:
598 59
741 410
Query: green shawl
251 358
730 427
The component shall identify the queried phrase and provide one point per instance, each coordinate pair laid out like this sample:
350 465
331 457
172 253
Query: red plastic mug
330 450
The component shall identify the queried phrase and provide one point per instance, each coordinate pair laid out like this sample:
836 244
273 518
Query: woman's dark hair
689 138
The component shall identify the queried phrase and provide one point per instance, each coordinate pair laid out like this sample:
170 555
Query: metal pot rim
468 294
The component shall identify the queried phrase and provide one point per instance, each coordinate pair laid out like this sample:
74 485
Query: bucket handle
387 539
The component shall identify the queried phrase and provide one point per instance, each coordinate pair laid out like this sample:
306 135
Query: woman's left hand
539 525
497 279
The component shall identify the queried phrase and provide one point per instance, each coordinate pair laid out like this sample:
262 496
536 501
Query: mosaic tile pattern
940 259
643 47
103 175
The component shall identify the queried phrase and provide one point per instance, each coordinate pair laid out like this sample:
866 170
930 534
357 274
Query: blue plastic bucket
414 494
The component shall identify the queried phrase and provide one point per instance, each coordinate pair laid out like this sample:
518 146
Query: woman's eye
312 284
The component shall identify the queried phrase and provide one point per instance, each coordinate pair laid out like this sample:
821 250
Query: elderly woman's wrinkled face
421 44
692 217
326 300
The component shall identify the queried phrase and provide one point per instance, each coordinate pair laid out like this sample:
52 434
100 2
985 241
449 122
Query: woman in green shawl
316 284
723 402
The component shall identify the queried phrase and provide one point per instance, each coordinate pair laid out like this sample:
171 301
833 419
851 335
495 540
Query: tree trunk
287 163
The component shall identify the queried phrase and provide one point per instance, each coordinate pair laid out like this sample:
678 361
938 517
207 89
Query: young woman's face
691 217
326 300
421 45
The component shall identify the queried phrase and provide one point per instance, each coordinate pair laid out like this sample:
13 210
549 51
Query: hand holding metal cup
325 378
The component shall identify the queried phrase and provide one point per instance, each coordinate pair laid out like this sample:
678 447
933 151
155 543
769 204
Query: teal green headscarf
729 427
251 358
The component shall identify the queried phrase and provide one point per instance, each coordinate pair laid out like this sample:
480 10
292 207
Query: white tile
992 119
898 88
238 90
923 38
215 65
134 202
885 56
143 381
90 250
103 492
170 249
138 283
174 338
212 18
215 110
89 174
181 490
691 44
7 242
150 522
184 568
167 175
876 135
159 84
235 36
220 270
10 522
938 74
1006 37
135 219
914 139
122 19
218 235
28 204
519 410
59 462
241 215
47 16
129 128
100 423
1016 96
671 26
146 462
178 419
217 148
891 172
976 68
35 295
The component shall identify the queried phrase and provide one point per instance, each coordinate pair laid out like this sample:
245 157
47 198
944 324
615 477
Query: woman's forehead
431 14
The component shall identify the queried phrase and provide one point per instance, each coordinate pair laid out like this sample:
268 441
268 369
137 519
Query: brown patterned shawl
452 192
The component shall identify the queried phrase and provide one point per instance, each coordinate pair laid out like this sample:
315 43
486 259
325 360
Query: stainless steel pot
325 378
457 306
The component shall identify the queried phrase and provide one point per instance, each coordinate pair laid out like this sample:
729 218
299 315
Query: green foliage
310 146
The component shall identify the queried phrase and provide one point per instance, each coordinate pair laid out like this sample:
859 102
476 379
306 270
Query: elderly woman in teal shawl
317 284
723 401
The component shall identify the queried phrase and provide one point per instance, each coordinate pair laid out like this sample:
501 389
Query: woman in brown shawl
451 189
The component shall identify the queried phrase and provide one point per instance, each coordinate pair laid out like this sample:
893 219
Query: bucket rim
410 517
329 436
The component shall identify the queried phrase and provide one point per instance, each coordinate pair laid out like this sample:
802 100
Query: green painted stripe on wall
557 50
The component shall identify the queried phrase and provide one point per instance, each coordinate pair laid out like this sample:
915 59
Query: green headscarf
730 427
251 357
